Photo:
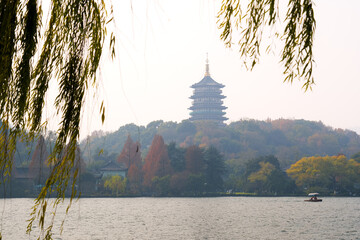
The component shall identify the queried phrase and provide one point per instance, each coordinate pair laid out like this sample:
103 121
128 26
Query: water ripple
196 218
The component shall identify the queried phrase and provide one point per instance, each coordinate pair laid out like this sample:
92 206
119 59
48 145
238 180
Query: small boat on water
313 198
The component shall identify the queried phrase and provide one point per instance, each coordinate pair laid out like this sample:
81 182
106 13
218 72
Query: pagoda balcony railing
213 101
207 113
204 118
207 95
216 107
207 91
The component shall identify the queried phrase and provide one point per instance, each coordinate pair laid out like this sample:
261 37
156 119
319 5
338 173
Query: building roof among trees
113 166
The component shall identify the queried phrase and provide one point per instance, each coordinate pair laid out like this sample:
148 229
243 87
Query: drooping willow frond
297 55
71 52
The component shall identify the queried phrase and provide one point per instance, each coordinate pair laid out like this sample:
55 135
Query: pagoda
207 104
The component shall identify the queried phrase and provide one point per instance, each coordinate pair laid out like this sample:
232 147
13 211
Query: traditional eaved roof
207 81
207 105
113 166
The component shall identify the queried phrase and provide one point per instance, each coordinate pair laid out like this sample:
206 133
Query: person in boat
313 198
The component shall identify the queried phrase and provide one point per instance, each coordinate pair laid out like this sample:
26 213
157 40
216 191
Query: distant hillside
288 140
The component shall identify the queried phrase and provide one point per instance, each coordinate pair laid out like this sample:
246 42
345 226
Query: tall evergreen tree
215 169
177 157
195 162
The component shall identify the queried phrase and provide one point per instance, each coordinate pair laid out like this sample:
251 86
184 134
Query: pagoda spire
207 72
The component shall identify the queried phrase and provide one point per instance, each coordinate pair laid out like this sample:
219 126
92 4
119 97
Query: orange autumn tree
157 162
128 153
134 177
130 157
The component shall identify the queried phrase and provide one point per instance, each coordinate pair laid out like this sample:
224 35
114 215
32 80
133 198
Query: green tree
263 175
215 169
196 184
87 183
261 178
186 128
254 164
177 157
235 169
194 158
270 180
161 185
356 157
150 131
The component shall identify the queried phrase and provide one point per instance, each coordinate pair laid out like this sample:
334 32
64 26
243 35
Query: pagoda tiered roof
207 104
207 81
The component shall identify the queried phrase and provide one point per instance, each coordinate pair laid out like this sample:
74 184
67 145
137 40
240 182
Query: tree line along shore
247 157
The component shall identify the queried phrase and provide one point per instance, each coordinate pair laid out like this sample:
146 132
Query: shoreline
185 196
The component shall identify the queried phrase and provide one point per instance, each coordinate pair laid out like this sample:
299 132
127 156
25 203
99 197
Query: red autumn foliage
130 153
134 177
157 162
134 174
130 157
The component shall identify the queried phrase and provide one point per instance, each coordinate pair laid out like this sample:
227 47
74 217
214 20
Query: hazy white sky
161 49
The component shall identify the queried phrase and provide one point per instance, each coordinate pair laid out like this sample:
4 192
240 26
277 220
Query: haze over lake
195 218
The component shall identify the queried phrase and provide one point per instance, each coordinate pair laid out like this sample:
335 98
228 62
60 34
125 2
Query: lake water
194 218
